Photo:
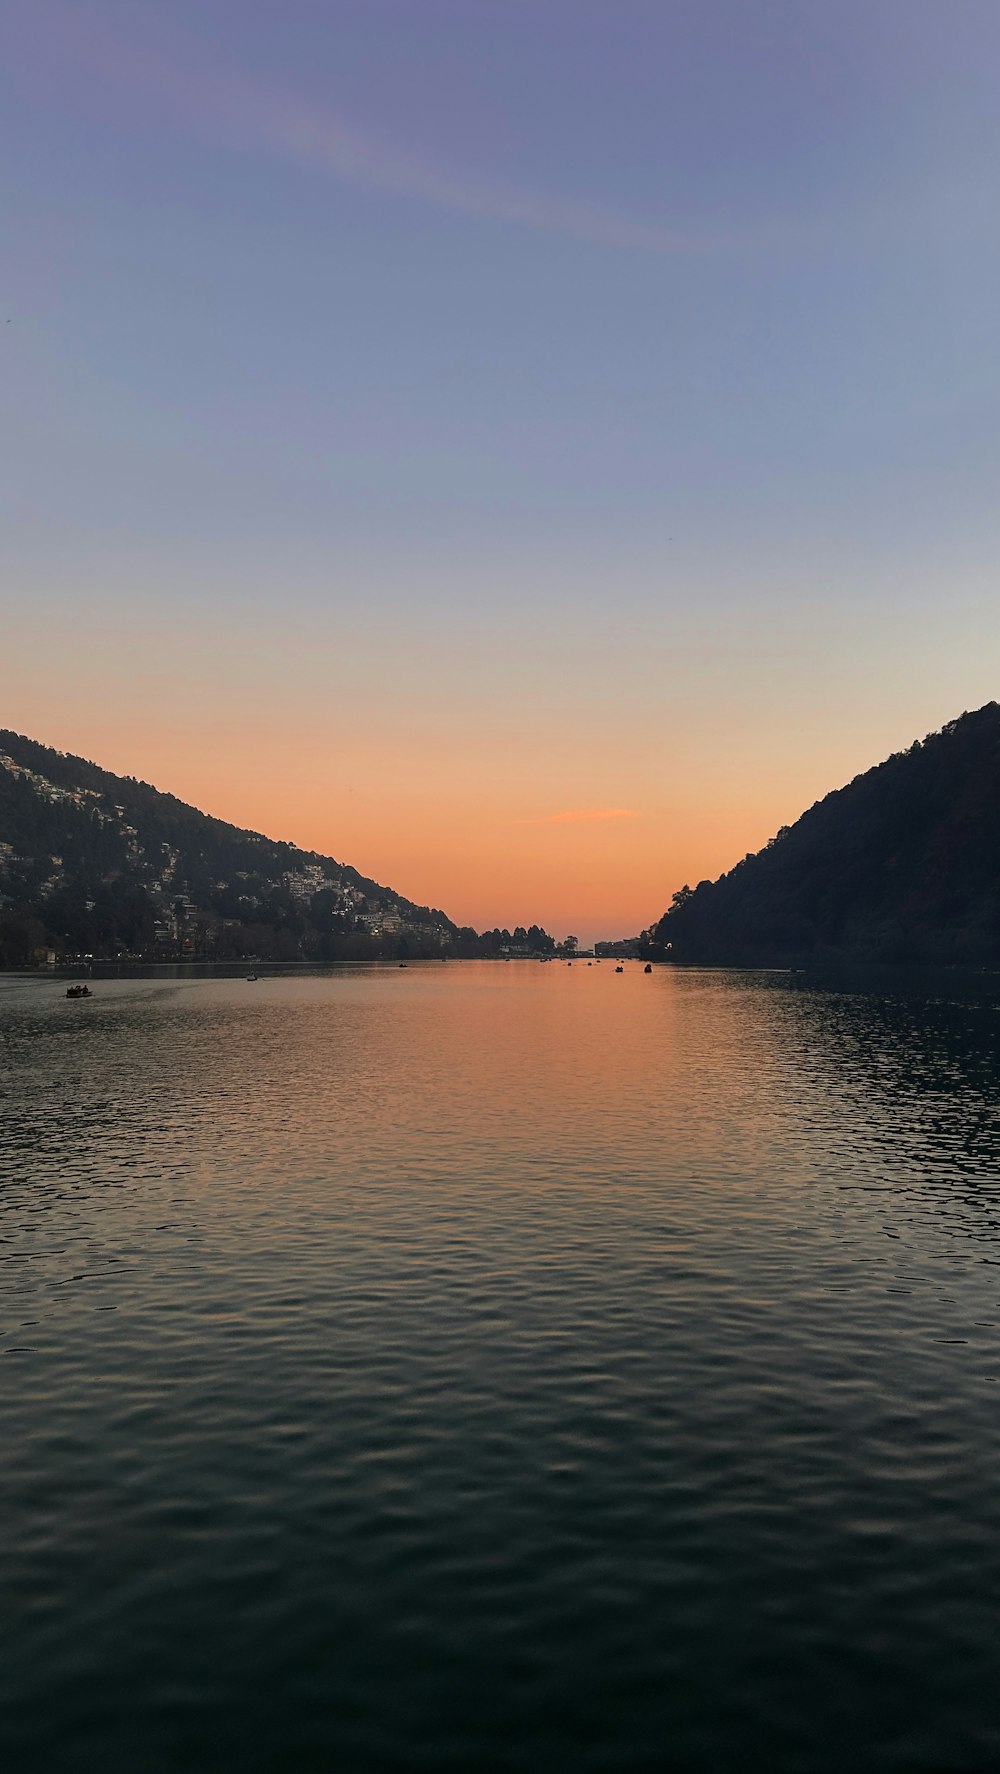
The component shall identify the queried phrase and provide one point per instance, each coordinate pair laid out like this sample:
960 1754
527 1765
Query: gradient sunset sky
528 449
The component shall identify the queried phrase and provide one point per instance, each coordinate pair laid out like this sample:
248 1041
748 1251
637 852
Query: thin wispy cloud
321 141
255 116
580 816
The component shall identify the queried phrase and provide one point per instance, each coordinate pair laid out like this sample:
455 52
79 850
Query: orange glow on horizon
577 787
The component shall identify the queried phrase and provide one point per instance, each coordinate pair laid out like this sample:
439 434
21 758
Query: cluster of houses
46 790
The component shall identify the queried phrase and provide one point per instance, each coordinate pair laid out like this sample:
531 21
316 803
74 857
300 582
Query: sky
527 449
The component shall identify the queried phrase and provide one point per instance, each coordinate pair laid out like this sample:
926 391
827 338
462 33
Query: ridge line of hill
901 865
97 864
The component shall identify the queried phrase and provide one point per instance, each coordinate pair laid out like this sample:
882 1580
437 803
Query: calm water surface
496 1367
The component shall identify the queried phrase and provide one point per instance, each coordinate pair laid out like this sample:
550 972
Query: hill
902 865
103 865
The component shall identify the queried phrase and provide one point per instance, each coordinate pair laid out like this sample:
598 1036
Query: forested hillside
92 863
902 865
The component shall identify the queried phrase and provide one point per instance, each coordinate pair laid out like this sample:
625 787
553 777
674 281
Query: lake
499 1367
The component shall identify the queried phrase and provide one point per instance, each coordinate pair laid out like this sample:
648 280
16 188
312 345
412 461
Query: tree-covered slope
103 864
901 865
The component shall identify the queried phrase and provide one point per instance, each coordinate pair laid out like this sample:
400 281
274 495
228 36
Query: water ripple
498 1368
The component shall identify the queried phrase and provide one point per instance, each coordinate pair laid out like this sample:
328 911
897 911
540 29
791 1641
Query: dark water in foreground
498 1368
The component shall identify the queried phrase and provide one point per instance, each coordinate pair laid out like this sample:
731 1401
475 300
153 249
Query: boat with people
79 992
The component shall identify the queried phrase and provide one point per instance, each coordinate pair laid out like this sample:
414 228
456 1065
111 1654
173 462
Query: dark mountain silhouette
902 865
103 865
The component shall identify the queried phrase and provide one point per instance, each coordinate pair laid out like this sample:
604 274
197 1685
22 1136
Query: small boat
251 976
648 967
619 970
78 992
